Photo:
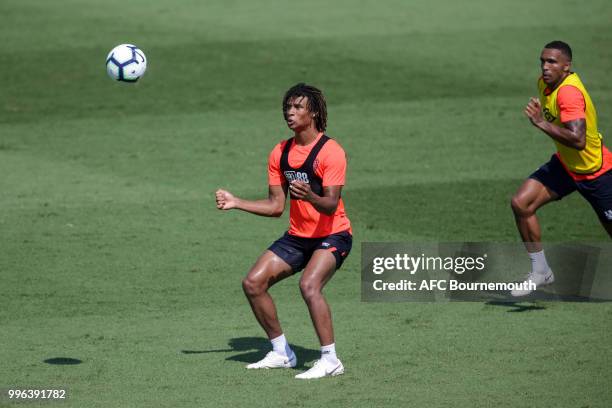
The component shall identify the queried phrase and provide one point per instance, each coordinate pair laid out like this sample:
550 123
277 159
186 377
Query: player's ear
567 67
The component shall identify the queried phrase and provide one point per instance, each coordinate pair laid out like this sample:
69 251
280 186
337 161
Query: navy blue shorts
598 192
297 251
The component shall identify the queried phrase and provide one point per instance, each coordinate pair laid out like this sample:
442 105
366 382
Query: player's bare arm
572 134
273 206
326 204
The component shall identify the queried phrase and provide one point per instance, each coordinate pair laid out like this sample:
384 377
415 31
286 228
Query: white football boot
275 360
322 369
540 279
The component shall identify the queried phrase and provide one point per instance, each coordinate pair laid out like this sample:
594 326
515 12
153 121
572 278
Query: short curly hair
561 46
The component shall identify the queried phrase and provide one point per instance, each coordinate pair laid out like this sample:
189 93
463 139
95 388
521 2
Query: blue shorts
598 192
297 251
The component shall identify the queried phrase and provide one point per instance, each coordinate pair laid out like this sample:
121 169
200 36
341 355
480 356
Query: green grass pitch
112 251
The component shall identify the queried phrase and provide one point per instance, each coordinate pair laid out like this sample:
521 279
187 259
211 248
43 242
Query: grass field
112 251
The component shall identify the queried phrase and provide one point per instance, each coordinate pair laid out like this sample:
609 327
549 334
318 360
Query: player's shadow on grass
252 349
516 306
63 361
528 303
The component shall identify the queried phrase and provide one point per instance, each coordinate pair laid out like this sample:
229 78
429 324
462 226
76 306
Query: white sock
328 354
280 345
538 262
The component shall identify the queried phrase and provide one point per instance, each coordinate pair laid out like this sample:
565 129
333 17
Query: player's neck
306 136
559 82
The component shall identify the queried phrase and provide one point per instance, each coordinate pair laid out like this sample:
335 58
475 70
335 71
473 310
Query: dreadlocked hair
316 103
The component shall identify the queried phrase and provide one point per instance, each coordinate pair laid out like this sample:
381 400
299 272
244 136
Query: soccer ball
126 62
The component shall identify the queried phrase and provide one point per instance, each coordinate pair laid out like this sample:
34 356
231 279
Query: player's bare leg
318 272
528 199
268 270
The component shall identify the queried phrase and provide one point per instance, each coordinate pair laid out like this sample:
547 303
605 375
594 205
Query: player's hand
225 200
533 111
300 190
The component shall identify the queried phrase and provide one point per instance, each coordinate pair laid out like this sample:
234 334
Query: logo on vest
608 215
549 116
296 176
